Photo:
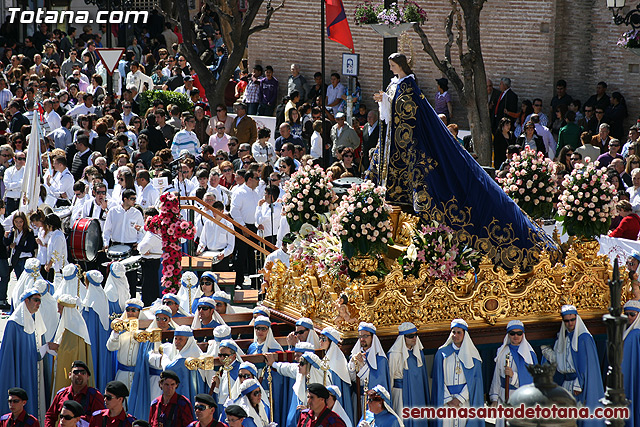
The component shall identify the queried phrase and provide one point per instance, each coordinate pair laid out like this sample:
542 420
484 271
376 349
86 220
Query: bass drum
85 239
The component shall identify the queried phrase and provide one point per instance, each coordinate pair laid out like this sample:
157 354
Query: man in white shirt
199 220
243 210
120 225
148 195
187 87
186 139
268 213
60 186
222 193
150 248
13 183
217 239
80 197
137 78
52 118
545 133
96 206
85 108
334 94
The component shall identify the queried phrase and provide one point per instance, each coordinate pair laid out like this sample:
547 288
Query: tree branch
221 13
267 18
449 32
460 37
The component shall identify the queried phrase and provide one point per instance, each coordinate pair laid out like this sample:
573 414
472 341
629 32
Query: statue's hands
378 96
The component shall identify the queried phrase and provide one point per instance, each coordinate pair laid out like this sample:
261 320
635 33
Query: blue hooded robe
474 384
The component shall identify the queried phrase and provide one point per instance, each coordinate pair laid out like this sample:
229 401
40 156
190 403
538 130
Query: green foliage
146 99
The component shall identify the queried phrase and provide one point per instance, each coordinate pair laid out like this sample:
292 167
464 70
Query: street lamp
632 18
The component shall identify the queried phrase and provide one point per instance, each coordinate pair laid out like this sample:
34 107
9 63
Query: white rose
412 252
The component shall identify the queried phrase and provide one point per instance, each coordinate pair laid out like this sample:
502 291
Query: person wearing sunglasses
304 332
578 366
205 408
309 372
89 398
171 408
115 394
380 412
512 360
19 356
235 415
219 138
408 370
368 360
330 340
123 342
173 302
464 388
17 400
224 381
71 415
254 405
207 316
265 342
247 371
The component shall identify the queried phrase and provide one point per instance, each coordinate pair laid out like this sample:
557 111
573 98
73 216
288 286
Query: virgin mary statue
425 170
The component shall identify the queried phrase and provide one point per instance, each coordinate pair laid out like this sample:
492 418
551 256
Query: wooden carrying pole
241 235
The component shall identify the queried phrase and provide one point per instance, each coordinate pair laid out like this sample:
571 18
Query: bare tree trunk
472 86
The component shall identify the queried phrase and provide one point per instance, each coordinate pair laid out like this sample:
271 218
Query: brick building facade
534 42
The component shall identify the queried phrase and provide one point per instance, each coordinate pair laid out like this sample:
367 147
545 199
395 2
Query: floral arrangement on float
529 183
308 195
170 225
369 12
362 221
586 204
315 247
435 247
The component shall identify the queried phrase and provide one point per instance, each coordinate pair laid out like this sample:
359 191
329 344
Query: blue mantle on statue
425 168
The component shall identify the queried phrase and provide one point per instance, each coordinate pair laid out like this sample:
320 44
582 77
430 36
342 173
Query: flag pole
325 137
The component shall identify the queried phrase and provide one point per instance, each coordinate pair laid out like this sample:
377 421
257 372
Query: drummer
120 224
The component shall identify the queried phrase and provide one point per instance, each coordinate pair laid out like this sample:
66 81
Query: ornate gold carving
489 295
363 264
